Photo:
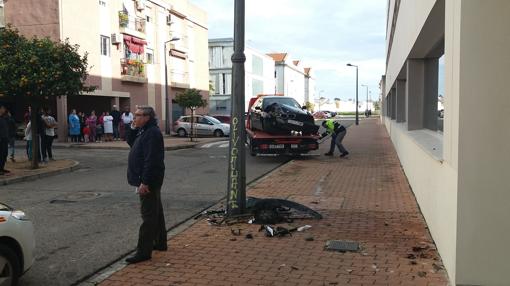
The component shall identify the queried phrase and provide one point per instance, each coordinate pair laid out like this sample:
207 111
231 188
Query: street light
320 99
357 116
366 107
168 103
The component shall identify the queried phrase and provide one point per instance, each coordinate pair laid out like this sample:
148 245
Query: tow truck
261 143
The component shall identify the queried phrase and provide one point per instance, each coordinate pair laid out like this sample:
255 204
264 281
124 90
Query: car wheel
9 266
181 132
218 133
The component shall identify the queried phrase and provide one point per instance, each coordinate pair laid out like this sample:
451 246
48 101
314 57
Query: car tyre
181 132
218 133
10 266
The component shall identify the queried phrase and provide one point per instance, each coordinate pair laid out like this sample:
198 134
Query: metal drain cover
342 246
77 197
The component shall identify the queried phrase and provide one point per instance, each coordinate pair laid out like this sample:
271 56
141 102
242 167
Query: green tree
191 99
40 69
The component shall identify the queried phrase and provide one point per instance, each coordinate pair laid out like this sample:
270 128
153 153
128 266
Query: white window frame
104 44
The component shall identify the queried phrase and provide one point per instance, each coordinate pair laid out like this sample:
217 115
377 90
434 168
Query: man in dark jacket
4 139
146 171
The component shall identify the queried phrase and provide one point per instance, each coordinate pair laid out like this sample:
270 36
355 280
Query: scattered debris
314 202
437 267
279 231
249 236
281 266
411 256
386 224
204 235
413 262
342 246
235 233
422 273
420 248
333 283
304 227
233 239
349 271
309 238
294 268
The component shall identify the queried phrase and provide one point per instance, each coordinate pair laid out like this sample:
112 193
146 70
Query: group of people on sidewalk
109 126
46 125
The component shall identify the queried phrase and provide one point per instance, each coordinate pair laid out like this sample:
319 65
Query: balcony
132 26
132 71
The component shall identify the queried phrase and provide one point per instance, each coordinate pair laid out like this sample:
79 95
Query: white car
202 124
17 245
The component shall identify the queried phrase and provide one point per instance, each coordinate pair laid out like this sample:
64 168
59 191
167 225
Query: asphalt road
89 218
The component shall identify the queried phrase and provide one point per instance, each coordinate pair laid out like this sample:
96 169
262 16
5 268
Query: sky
324 34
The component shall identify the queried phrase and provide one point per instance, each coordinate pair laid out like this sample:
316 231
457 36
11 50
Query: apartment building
125 41
460 175
259 74
292 79
2 19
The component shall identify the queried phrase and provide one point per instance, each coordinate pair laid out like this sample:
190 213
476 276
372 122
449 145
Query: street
89 218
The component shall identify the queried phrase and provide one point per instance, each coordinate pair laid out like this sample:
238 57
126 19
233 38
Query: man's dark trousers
4 150
153 230
336 140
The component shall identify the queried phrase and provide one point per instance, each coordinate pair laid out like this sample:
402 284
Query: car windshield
213 120
280 100
4 207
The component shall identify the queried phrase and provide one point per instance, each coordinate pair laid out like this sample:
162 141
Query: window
105 46
257 65
149 19
102 3
150 56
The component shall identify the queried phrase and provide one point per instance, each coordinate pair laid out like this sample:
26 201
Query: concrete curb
92 147
34 177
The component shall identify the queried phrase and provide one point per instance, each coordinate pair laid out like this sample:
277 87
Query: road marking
223 145
209 145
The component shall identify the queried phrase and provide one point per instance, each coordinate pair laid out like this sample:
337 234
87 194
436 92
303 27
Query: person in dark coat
146 171
12 135
116 120
4 139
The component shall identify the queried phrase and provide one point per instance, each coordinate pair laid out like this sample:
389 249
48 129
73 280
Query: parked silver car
203 125
17 244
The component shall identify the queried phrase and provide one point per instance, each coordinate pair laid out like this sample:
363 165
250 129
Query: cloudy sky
323 34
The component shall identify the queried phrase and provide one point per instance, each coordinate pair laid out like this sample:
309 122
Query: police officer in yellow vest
337 132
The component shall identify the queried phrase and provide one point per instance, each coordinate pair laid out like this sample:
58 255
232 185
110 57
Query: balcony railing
136 24
133 70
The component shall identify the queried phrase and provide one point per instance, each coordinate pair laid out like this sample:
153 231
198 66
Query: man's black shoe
160 247
328 154
6 171
344 154
137 258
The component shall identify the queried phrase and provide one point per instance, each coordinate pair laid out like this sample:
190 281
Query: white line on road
209 145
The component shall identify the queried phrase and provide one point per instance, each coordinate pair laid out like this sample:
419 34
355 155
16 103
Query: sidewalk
364 198
21 172
171 143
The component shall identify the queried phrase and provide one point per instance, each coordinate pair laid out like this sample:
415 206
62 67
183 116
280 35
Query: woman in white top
108 126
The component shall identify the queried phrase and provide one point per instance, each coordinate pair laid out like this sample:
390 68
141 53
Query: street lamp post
236 196
320 99
357 115
168 103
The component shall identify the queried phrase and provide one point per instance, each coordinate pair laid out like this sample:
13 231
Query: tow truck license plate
294 146
277 146
295 122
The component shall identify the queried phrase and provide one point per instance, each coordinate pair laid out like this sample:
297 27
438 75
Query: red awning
135 45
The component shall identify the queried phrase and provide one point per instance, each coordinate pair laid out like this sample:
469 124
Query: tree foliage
39 69
191 99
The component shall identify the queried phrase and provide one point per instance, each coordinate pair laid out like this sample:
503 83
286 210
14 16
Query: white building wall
294 84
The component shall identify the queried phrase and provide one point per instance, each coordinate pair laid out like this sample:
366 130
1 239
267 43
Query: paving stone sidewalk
365 198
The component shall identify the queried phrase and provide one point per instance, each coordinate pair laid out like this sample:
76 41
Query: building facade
291 78
2 17
125 41
460 175
259 74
